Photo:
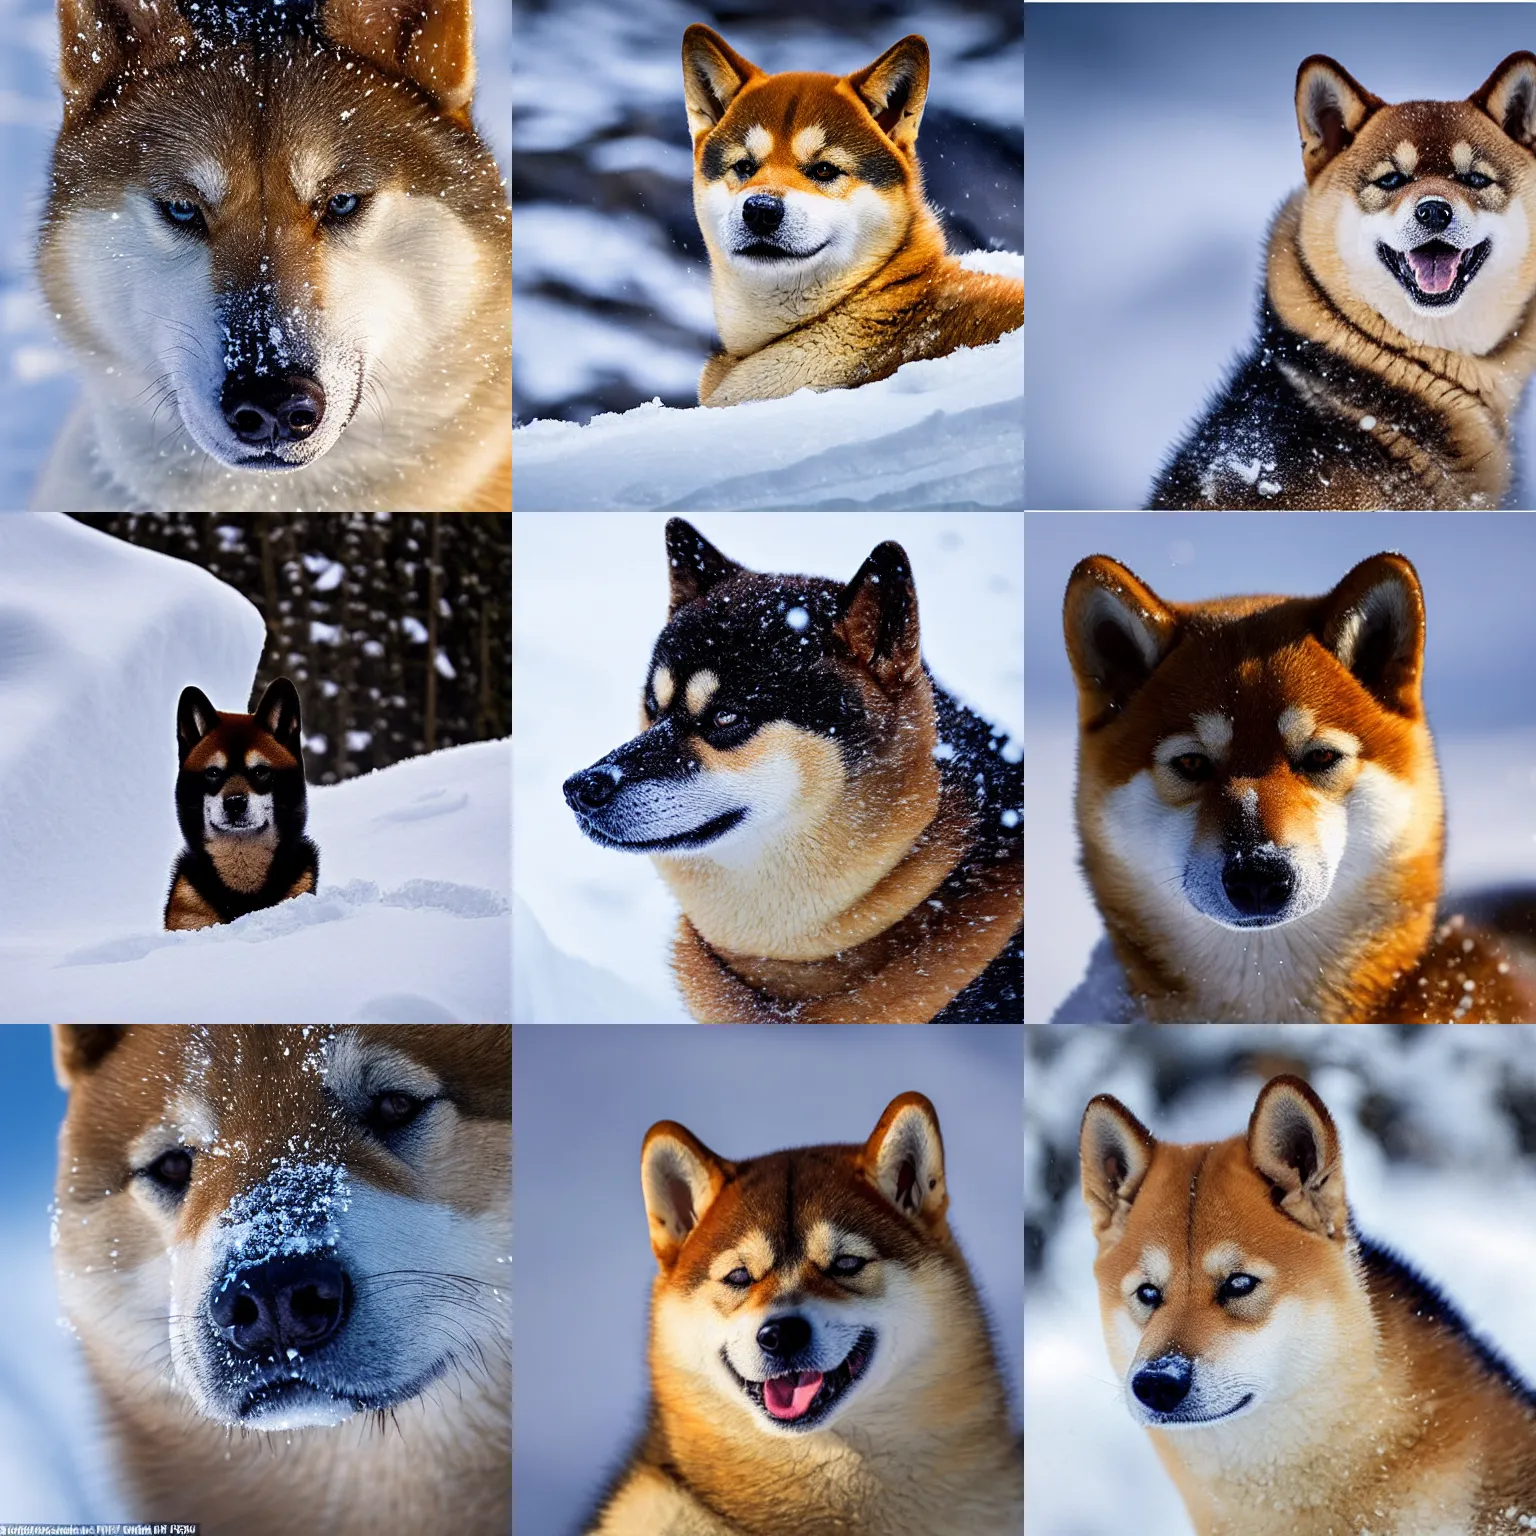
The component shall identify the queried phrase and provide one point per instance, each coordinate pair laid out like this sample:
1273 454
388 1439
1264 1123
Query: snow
1448 1213
589 596
942 433
1472 566
97 639
1141 297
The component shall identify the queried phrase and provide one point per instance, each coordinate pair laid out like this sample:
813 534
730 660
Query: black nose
1258 884
1435 214
784 1337
264 408
762 214
294 1303
234 806
591 789
1163 1384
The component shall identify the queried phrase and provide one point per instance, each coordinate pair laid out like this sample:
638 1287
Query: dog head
1251 763
283 1227
1229 1301
803 1288
242 776
1423 211
804 184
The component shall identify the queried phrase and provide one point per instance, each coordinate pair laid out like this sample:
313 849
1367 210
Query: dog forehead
1431 130
748 623
237 741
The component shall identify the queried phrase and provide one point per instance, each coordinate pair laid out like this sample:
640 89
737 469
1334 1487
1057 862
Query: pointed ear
79 1048
195 717
1508 96
1331 108
1114 1150
278 714
1118 630
694 565
877 617
894 88
904 1160
428 42
101 39
1373 621
713 75
1293 1143
680 1178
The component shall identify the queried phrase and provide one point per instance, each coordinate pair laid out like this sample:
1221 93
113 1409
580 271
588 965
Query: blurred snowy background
582 1100
610 276
592 928
1439 1135
1163 138
37 385
1478 684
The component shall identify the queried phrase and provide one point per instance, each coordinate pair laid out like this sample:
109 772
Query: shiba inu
1296 1378
241 803
820 1360
844 838
292 292
1259 806
827 265
1395 327
285 1253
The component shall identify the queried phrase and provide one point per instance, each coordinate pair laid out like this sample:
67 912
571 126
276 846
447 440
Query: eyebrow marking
700 690
306 171
1407 156
256 760
1461 156
1297 724
208 179
758 142
218 760
662 686
1214 733
808 141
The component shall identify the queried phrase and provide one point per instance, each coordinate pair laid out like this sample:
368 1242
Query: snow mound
1101 997
944 433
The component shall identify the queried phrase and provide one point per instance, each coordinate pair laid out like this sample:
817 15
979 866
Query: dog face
800 1289
1229 1301
803 183
1425 211
1251 763
241 785
284 1227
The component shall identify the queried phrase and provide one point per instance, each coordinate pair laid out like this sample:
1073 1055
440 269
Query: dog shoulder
649 1502
186 907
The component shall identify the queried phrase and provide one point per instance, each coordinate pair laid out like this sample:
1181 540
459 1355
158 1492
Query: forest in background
395 627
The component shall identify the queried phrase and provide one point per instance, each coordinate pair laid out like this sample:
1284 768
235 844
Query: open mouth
1436 273
766 250
802 1399
697 838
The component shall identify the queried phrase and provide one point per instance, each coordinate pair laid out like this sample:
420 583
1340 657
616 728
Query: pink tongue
1434 271
788 1397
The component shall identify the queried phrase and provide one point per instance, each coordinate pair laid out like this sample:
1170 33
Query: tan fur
944 1462
1389 1423
243 862
187 910
900 297
448 1449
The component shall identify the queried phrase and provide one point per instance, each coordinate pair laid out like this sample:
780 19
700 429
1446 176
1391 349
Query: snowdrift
945 433
97 639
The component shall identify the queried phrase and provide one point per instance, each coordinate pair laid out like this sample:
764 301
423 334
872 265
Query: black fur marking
882 169
259 23
996 996
712 161
290 862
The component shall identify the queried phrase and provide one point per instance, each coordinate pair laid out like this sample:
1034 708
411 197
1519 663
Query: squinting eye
211 776
848 1264
260 777
1320 759
179 211
824 170
1475 179
739 1278
743 168
1391 181
343 205
1193 766
725 718
1237 1285
392 1111
171 1170
1149 1295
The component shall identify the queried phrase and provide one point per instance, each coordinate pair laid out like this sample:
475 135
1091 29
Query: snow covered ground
1483 711
589 596
37 384
1143 283
582 1101
1463 1216
947 432
97 639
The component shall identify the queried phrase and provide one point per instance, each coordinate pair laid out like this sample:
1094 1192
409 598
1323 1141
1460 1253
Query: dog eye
739 1278
392 1111
260 777
1475 179
211 777
1149 1296
847 1264
1320 759
1391 181
824 170
343 205
744 167
181 213
1193 766
172 1170
1237 1285
725 718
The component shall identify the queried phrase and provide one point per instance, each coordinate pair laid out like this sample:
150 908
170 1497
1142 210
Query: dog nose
1163 1384
234 806
591 789
265 408
784 1336
1258 884
294 1303
1435 214
762 214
